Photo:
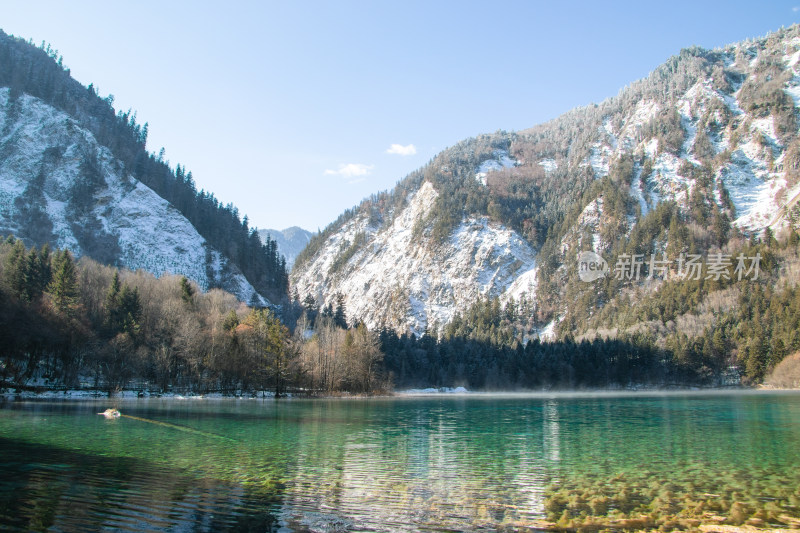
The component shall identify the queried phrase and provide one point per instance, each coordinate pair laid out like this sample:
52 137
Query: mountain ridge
75 174
712 132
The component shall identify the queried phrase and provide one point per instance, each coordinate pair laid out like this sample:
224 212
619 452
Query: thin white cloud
351 170
399 149
796 9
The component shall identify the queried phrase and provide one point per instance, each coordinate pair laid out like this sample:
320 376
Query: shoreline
443 392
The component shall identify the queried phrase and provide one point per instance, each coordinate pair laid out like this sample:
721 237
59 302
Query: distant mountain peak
290 241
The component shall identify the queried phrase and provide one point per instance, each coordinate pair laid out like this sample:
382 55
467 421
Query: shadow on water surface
42 487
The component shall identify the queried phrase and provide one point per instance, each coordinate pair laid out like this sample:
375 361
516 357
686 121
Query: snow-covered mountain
290 241
403 282
713 131
59 185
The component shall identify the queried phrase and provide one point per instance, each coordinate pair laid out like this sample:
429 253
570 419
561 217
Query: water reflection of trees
43 487
454 467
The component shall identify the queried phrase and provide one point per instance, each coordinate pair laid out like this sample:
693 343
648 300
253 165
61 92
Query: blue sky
290 110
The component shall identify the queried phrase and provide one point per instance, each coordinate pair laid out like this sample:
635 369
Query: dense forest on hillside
703 331
68 324
711 332
39 72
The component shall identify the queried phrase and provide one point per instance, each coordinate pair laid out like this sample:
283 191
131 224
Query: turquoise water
407 463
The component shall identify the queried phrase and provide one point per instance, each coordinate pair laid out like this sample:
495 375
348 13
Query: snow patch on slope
793 90
607 130
637 191
644 112
525 284
600 159
666 182
549 165
589 222
548 333
501 160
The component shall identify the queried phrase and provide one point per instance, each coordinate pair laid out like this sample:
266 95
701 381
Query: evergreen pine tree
32 277
64 285
310 304
46 272
113 320
14 272
339 315
769 237
231 321
187 291
756 363
130 309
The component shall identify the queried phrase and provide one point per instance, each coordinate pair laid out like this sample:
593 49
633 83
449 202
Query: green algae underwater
723 461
